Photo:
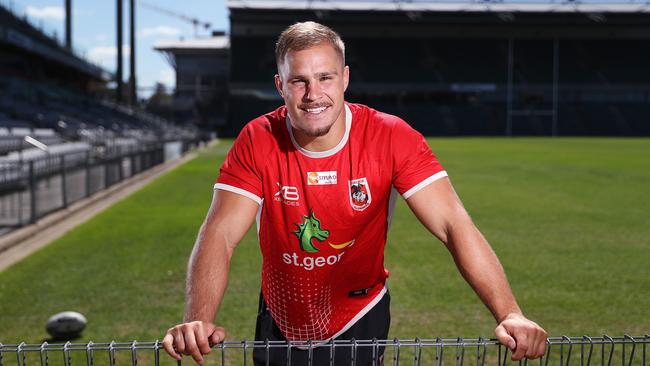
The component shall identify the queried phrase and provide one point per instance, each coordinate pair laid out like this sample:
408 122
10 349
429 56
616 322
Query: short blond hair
301 36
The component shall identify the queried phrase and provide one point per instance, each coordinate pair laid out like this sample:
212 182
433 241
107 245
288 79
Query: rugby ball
66 325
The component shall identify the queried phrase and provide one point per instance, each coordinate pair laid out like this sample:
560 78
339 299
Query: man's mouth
315 110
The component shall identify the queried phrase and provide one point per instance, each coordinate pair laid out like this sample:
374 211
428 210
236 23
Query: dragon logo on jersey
360 197
309 229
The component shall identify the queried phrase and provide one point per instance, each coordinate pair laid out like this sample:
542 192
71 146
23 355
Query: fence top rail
431 342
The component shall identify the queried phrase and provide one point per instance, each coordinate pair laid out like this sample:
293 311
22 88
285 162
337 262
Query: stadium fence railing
561 351
33 188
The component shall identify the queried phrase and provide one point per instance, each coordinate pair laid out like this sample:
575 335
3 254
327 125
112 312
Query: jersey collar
326 153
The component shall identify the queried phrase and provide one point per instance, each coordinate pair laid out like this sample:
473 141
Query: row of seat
53 114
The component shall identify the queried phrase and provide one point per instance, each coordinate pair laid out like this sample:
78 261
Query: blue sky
94 30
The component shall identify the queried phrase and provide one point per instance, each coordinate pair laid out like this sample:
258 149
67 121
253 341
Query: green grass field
569 218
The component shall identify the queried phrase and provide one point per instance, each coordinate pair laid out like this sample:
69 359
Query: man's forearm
438 207
207 276
481 269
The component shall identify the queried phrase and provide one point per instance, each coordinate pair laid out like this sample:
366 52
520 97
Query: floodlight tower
132 78
119 74
133 97
68 24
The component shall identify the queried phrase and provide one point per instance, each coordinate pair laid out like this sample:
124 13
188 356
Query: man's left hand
522 336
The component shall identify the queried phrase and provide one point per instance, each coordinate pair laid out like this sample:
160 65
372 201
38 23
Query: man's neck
325 142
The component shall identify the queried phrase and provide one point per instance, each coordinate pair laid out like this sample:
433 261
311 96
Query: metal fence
561 351
31 189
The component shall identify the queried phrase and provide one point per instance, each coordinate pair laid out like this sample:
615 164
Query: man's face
312 83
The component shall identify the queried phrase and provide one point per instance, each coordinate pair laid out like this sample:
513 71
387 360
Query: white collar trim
326 153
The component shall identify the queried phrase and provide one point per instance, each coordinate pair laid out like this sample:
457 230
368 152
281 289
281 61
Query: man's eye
298 82
325 78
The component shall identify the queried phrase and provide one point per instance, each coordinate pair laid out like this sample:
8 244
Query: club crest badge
360 196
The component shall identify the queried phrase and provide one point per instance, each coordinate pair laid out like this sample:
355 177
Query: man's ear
278 84
346 77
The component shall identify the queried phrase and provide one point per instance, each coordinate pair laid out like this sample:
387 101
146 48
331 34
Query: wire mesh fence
32 188
561 351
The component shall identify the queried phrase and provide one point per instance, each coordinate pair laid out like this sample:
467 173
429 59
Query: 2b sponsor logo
287 195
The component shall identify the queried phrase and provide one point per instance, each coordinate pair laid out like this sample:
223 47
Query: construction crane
196 22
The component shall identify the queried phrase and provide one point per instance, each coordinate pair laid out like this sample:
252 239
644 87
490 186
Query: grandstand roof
531 6
211 43
215 45
16 31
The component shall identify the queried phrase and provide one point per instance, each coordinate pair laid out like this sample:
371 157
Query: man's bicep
438 207
230 215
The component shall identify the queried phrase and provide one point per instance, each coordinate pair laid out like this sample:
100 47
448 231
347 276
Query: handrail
563 351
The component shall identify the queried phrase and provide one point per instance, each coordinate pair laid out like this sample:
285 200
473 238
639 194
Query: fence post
32 193
87 173
20 195
133 167
106 172
64 194
120 167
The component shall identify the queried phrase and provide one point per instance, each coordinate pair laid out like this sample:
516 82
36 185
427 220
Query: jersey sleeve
239 172
414 164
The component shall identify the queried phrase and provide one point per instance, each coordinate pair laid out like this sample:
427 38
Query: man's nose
313 91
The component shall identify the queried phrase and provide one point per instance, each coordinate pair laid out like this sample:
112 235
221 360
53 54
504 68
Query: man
321 175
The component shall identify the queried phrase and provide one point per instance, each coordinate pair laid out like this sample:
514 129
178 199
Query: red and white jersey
324 216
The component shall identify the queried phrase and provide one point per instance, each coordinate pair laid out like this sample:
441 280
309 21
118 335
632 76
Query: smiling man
321 176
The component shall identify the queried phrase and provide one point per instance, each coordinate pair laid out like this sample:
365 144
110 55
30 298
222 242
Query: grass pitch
568 218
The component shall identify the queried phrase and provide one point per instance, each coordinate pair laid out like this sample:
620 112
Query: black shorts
374 324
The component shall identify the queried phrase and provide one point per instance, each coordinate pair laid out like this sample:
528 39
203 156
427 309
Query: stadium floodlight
37 144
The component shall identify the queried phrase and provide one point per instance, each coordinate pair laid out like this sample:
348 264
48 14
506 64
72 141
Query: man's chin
317 132
313 126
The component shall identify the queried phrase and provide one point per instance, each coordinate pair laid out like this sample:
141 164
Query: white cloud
46 12
160 30
101 37
167 76
102 54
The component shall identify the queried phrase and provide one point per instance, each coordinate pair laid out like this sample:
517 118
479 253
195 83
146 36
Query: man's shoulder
267 123
263 135
377 119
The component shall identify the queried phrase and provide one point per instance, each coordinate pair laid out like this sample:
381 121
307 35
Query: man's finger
202 340
217 336
191 347
521 348
179 342
532 346
505 338
168 345
541 345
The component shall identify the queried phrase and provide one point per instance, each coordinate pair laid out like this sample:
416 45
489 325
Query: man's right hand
194 338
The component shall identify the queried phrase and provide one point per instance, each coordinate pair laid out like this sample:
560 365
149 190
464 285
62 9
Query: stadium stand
466 67
62 138
202 67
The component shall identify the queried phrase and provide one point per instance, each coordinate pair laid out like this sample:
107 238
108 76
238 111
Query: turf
568 217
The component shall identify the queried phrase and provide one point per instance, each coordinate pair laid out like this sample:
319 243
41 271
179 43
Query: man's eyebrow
327 73
318 74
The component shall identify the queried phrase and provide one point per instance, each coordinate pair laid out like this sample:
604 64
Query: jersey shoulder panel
267 126
243 168
414 164
375 122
